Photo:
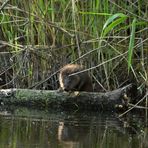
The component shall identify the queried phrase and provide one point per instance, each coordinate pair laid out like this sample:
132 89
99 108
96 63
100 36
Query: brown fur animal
77 82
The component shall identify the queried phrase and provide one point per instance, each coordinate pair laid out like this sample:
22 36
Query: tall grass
131 44
42 36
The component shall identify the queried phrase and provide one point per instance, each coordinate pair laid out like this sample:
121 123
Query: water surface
31 128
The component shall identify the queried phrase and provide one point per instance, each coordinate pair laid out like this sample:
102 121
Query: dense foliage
38 37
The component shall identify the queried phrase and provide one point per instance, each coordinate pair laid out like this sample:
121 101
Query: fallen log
54 99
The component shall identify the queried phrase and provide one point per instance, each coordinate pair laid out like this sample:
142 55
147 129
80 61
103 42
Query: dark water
25 128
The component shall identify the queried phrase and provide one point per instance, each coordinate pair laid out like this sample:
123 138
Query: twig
4 4
134 105
137 106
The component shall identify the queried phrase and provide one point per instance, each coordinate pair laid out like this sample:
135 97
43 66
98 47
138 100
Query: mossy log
66 100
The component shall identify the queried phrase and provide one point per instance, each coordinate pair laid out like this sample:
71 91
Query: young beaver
78 82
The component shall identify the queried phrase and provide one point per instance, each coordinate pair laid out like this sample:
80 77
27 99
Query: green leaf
112 25
113 17
131 45
112 22
94 13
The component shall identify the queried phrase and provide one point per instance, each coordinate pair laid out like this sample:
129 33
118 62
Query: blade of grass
113 17
94 13
131 45
112 22
112 25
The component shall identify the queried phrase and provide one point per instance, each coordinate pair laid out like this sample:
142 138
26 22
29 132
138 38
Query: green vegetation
38 37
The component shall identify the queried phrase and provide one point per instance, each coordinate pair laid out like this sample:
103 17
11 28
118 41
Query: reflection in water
25 128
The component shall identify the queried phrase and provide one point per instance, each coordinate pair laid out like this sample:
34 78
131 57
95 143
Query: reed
42 36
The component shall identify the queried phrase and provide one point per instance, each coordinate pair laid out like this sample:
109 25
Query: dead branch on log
135 106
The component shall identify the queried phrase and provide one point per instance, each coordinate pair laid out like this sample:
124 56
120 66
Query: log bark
54 99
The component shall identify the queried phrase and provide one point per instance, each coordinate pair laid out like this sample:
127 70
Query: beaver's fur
77 82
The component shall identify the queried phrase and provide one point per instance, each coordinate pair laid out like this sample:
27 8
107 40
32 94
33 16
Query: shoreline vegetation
110 38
